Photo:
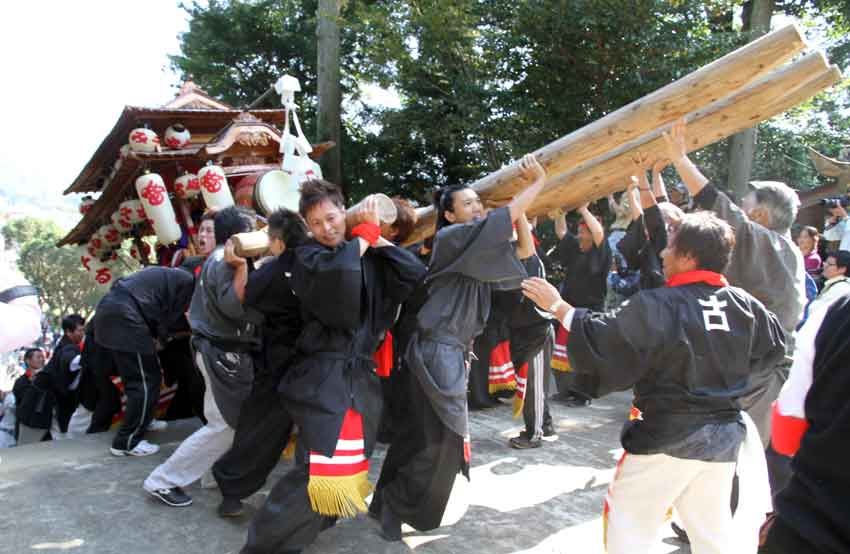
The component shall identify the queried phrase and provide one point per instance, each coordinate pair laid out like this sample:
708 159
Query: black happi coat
347 304
688 362
469 262
642 244
142 307
585 273
269 291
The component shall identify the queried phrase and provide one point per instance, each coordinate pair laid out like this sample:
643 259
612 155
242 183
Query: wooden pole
715 81
755 104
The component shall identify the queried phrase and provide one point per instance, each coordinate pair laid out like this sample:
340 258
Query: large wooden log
708 84
788 88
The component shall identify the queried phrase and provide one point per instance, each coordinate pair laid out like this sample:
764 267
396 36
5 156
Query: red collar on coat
698 276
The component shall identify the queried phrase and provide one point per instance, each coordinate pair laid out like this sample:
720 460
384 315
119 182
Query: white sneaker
157 425
144 448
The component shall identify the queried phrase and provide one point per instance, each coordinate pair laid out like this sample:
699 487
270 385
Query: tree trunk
742 147
330 98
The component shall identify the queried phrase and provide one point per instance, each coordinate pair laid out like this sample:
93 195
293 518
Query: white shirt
20 319
792 397
840 231
832 290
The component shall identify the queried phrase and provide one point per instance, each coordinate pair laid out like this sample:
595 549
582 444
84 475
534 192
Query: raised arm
240 270
659 191
677 150
560 220
525 244
635 207
531 170
368 213
593 225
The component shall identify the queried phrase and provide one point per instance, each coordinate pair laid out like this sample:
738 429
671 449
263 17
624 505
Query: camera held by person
832 203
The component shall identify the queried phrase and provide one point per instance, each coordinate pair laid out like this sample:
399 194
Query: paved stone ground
72 496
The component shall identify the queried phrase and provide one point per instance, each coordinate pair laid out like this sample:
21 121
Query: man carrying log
688 351
586 259
765 263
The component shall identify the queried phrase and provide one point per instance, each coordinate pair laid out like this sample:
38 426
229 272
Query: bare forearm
693 178
525 244
522 201
635 211
658 188
593 226
240 281
561 226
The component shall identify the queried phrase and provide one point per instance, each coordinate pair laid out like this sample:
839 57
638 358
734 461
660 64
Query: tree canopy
482 82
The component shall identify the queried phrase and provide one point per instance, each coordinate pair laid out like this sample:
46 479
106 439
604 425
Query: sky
68 68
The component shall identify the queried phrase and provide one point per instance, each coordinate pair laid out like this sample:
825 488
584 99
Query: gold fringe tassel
499 387
342 496
518 405
561 365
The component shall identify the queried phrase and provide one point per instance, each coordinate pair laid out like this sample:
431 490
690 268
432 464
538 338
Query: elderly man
688 350
765 263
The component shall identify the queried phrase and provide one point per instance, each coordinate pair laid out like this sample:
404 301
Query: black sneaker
231 507
549 433
173 497
522 442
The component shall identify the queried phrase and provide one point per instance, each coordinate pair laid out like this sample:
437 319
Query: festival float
159 169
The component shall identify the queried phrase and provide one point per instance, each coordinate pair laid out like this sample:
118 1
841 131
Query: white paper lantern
102 273
214 187
85 204
154 197
187 186
132 211
177 136
110 235
145 254
143 140
123 225
86 256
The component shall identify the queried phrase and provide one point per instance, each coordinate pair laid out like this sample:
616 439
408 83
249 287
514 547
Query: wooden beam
711 83
746 109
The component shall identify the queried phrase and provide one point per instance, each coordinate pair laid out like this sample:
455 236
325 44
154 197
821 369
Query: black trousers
261 435
534 346
108 401
141 376
783 539
178 366
479 373
287 522
421 465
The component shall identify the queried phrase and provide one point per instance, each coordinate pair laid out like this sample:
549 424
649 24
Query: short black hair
842 259
232 220
706 238
316 191
71 322
289 227
30 352
444 201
